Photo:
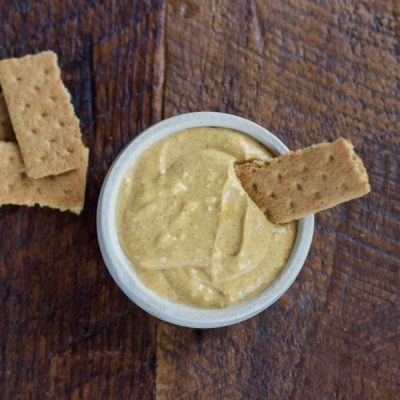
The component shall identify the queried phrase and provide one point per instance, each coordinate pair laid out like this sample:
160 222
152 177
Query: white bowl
121 268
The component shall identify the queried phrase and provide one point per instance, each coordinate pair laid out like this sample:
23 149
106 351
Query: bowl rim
121 268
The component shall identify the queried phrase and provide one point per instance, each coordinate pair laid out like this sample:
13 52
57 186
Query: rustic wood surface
307 70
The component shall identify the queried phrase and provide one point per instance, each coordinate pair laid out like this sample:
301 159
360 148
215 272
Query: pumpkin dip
190 230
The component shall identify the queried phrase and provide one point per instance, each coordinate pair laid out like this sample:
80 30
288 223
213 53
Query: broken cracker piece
6 130
305 181
44 122
64 192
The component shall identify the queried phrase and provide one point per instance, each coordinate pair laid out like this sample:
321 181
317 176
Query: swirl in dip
190 230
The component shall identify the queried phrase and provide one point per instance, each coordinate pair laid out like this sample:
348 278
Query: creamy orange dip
190 230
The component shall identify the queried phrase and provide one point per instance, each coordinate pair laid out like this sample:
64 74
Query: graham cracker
64 192
305 181
6 130
46 127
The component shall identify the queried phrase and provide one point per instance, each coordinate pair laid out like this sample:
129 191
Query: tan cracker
42 115
305 181
65 192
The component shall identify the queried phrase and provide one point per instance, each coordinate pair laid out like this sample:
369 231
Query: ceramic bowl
121 268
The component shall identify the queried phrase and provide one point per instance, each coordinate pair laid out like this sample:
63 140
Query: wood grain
308 71
66 330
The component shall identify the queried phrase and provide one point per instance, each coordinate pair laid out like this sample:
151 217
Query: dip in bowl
179 234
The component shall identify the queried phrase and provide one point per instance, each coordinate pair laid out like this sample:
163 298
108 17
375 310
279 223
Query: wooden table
308 71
